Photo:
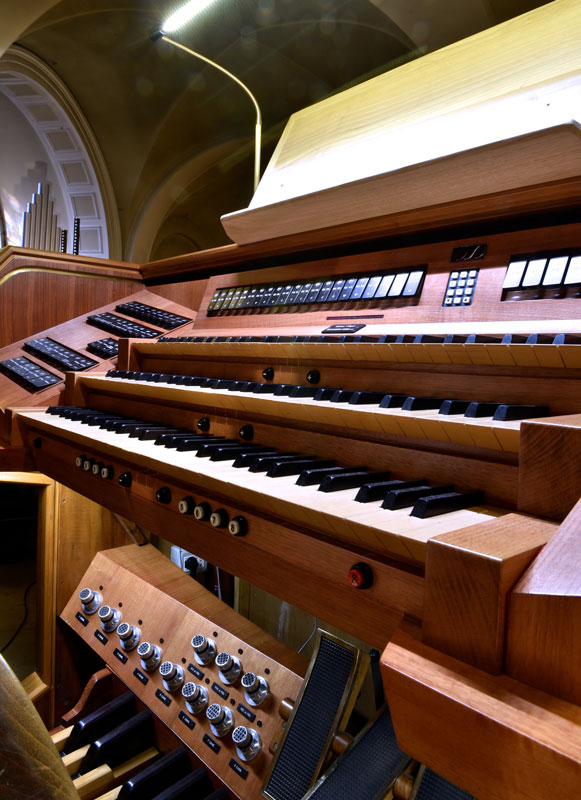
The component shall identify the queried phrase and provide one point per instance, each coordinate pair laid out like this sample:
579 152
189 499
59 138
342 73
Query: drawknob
220 718
196 697
129 635
172 675
247 742
110 618
150 656
229 667
204 648
256 689
90 600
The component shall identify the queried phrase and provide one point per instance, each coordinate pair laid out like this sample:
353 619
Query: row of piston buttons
203 512
105 471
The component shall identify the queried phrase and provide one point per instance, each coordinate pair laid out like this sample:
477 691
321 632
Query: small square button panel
461 287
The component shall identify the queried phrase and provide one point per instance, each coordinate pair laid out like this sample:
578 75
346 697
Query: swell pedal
321 710
368 768
431 786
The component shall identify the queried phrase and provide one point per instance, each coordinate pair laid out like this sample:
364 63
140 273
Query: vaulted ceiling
176 135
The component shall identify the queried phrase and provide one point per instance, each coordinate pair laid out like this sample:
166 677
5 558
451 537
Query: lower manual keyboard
337 513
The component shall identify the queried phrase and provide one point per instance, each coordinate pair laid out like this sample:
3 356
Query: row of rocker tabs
498 411
390 338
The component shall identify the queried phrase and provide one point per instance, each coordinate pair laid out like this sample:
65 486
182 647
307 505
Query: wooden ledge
491 735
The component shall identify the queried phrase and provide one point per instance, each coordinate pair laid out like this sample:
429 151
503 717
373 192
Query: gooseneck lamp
180 18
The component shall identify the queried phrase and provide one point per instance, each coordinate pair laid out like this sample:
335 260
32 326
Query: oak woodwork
550 466
543 645
468 576
31 766
158 597
68 285
493 736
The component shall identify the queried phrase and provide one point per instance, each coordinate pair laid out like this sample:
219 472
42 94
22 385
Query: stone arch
71 148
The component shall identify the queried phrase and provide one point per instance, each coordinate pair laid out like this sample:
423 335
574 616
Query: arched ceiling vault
154 110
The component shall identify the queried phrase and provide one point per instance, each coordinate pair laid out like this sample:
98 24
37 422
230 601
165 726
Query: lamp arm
258 124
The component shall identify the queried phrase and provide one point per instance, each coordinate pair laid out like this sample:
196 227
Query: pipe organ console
377 420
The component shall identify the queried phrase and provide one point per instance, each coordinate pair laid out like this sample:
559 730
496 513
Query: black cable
23 623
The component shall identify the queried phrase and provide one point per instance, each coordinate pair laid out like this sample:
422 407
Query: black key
324 394
476 410
151 434
284 468
265 388
428 338
245 459
171 440
313 475
507 412
404 498
112 424
514 338
204 449
148 427
350 478
414 403
341 396
567 338
377 491
265 462
243 386
58 411
230 453
434 505
284 389
393 401
480 338
304 391
366 398
455 338
454 407
541 338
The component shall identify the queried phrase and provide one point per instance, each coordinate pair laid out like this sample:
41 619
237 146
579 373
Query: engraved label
83 620
195 671
246 712
220 690
188 721
119 654
163 697
211 743
101 637
140 676
238 768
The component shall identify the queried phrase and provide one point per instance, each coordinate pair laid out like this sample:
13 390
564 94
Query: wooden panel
146 586
67 284
550 466
544 621
493 736
468 576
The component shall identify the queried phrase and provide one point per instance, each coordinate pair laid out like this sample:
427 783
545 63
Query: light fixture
180 18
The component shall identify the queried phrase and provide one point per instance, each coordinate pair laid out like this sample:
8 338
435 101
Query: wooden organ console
377 421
